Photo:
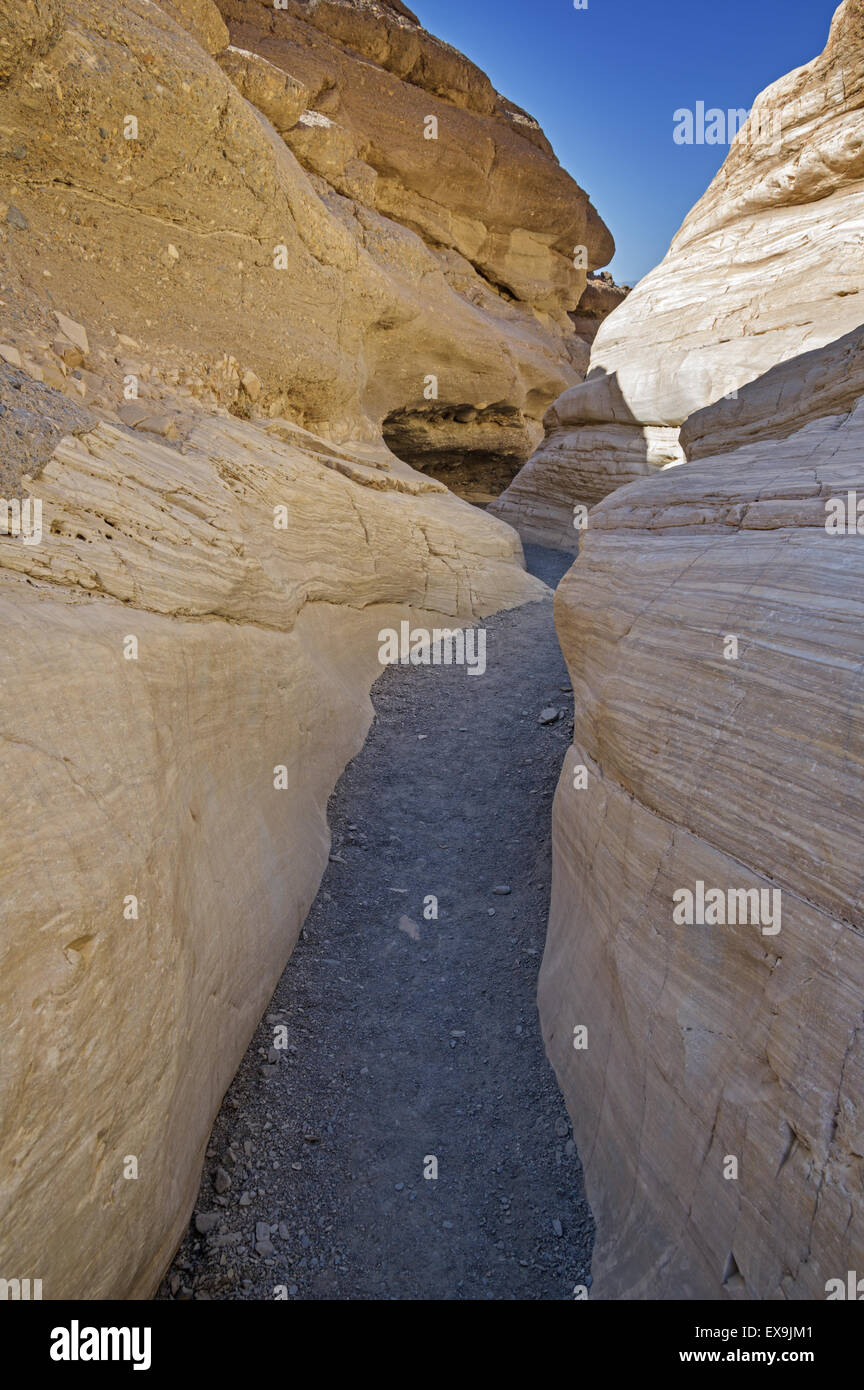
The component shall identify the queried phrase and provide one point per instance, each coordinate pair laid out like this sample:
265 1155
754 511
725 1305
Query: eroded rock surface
139 956
711 1042
768 265
201 337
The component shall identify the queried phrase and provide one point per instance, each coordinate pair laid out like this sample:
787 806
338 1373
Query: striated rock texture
202 333
715 1042
769 264
278 204
140 949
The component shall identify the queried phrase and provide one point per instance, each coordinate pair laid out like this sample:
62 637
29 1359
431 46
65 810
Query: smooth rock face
152 778
768 265
709 1042
223 535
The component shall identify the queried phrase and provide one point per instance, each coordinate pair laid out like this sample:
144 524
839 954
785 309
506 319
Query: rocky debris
761 271
33 419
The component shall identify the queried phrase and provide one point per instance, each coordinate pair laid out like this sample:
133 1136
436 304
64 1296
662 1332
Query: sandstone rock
713 1042
68 352
600 298
202 19
75 332
11 355
510 209
27 30
366 313
769 264
198 626
269 633
278 95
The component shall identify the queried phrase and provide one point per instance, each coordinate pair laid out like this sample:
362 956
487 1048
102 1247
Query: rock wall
769 264
710 1043
707 921
200 338
212 215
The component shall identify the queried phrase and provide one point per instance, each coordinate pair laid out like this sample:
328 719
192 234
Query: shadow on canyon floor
411 1039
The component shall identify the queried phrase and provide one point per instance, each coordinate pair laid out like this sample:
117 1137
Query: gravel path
412 1038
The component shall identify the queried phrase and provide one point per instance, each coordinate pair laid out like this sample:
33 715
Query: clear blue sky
604 83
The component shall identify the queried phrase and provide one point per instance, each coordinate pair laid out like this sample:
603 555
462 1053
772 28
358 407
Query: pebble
549 715
205 1221
557 1227
16 218
502 889
221 1181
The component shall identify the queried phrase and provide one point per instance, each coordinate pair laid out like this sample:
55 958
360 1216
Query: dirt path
404 1048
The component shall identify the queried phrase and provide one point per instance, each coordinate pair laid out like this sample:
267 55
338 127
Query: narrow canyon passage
411 1038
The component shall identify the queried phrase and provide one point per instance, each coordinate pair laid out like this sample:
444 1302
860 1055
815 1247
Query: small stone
562 1128
570 1148
162 425
557 1227
262 1230
284 1232
251 385
75 332
52 374
265 1247
549 715
16 218
132 413
68 352
502 889
222 1181
19 152
400 1187
10 355
205 1221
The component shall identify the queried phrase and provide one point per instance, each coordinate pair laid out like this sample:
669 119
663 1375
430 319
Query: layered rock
200 340
172 643
600 298
769 264
719 1104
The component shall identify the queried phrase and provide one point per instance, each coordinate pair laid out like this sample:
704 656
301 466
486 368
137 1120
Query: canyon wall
769 264
201 337
712 626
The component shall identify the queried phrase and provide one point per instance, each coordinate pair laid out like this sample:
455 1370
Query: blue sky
604 83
